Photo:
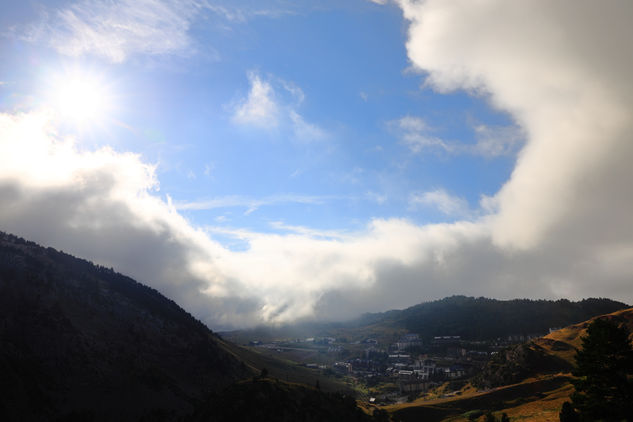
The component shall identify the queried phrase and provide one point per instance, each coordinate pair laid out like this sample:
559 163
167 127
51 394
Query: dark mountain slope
81 341
482 318
278 401
469 317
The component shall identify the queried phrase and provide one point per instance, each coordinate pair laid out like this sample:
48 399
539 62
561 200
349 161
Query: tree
264 373
490 417
568 414
604 389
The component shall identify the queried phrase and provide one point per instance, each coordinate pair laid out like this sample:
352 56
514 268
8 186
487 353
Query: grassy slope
284 370
537 399
563 343
497 400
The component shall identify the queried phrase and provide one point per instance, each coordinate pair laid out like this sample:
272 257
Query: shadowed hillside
82 341
469 317
482 318
278 401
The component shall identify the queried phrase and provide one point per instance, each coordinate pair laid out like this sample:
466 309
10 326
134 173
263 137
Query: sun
80 98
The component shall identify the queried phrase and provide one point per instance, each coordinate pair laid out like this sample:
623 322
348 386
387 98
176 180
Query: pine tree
604 390
568 414
490 417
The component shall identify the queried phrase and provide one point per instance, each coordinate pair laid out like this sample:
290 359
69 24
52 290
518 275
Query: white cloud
416 135
494 141
117 29
561 225
267 107
561 73
260 107
491 141
305 131
449 205
376 197
251 204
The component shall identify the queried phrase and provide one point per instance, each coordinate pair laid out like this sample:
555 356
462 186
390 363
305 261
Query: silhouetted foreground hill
277 401
82 342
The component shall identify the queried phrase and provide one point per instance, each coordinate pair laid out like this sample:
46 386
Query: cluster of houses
412 373
444 358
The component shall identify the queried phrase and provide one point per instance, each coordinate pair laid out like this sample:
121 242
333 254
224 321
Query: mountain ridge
470 318
80 340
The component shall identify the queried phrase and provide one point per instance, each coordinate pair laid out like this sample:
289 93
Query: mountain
550 354
82 342
485 319
469 317
564 342
265 399
529 381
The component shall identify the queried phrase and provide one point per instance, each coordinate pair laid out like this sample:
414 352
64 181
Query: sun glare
80 98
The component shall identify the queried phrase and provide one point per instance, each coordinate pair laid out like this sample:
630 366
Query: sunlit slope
537 398
563 343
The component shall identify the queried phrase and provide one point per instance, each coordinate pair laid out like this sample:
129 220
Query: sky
273 161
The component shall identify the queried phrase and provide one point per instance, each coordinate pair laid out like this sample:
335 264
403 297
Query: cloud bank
560 226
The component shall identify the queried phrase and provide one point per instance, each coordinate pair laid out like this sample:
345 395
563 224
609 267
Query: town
383 372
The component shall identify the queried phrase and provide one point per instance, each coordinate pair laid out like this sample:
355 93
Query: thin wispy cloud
273 104
447 204
251 204
309 232
490 141
116 29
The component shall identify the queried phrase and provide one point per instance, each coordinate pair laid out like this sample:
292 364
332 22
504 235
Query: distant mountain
469 317
82 342
484 319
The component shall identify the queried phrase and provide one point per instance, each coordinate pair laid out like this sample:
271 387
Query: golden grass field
536 399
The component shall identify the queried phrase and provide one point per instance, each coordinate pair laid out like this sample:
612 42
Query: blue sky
353 83
387 147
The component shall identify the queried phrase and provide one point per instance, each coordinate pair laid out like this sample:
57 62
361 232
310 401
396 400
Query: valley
82 341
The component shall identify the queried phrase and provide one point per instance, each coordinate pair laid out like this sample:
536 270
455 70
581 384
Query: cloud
416 135
452 206
260 108
376 197
117 29
275 107
560 226
495 141
251 204
561 73
491 141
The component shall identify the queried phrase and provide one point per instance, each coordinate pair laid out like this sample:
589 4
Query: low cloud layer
559 227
